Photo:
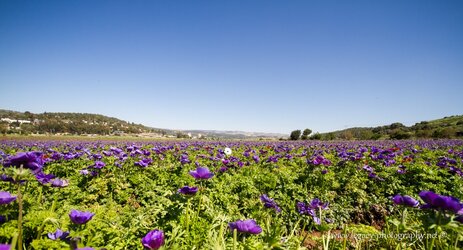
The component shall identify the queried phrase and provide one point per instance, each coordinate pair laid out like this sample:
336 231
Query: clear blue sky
270 66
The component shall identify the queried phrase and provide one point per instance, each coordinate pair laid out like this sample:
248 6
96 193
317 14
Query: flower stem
234 238
302 232
456 241
404 215
200 200
344 240
294 229
15 238
438 225
187 215
327 242
20 217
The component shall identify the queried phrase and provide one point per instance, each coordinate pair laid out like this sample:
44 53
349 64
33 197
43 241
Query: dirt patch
312 239
375 216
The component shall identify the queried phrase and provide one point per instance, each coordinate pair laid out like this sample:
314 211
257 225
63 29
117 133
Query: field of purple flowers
231 195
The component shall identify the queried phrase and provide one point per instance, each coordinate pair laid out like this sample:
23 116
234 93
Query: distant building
8 120
12 120
118 133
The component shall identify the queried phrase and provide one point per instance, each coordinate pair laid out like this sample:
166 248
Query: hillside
13 122
67 123
447 127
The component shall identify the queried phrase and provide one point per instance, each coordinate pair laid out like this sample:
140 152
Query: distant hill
447 127
13 122
67 123
235 134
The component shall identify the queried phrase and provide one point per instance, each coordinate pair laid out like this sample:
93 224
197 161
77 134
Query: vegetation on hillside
447 127
66 123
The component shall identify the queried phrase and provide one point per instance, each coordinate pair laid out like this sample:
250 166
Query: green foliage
305 134
129 200
316 136
400 135
295 135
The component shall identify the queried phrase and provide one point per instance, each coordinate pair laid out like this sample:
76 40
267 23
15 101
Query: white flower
227 151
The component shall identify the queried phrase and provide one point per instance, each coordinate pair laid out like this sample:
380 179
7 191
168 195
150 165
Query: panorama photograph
231 125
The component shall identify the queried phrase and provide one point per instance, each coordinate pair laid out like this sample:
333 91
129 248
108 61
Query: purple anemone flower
302 208
184 159
115 150
449 203
44 178
405 201
436 201
428 197
144 162
98 164
312 208
5 247
59 183
6 198
368 169
317 204
245 226
320 160
79 217
270 203
86 248
186 190
59 234
30 160
153 240
201 173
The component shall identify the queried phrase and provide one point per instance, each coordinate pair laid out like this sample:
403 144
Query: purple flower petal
153 239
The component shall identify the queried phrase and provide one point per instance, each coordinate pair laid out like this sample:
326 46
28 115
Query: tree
295 135
365 134
396 125
346 135
329 136
305 134
3 128
181 135
425 133
444 133
400 135
316 136
29 115
27 129
375 136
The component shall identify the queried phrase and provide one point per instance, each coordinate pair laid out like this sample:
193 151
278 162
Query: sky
262 66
